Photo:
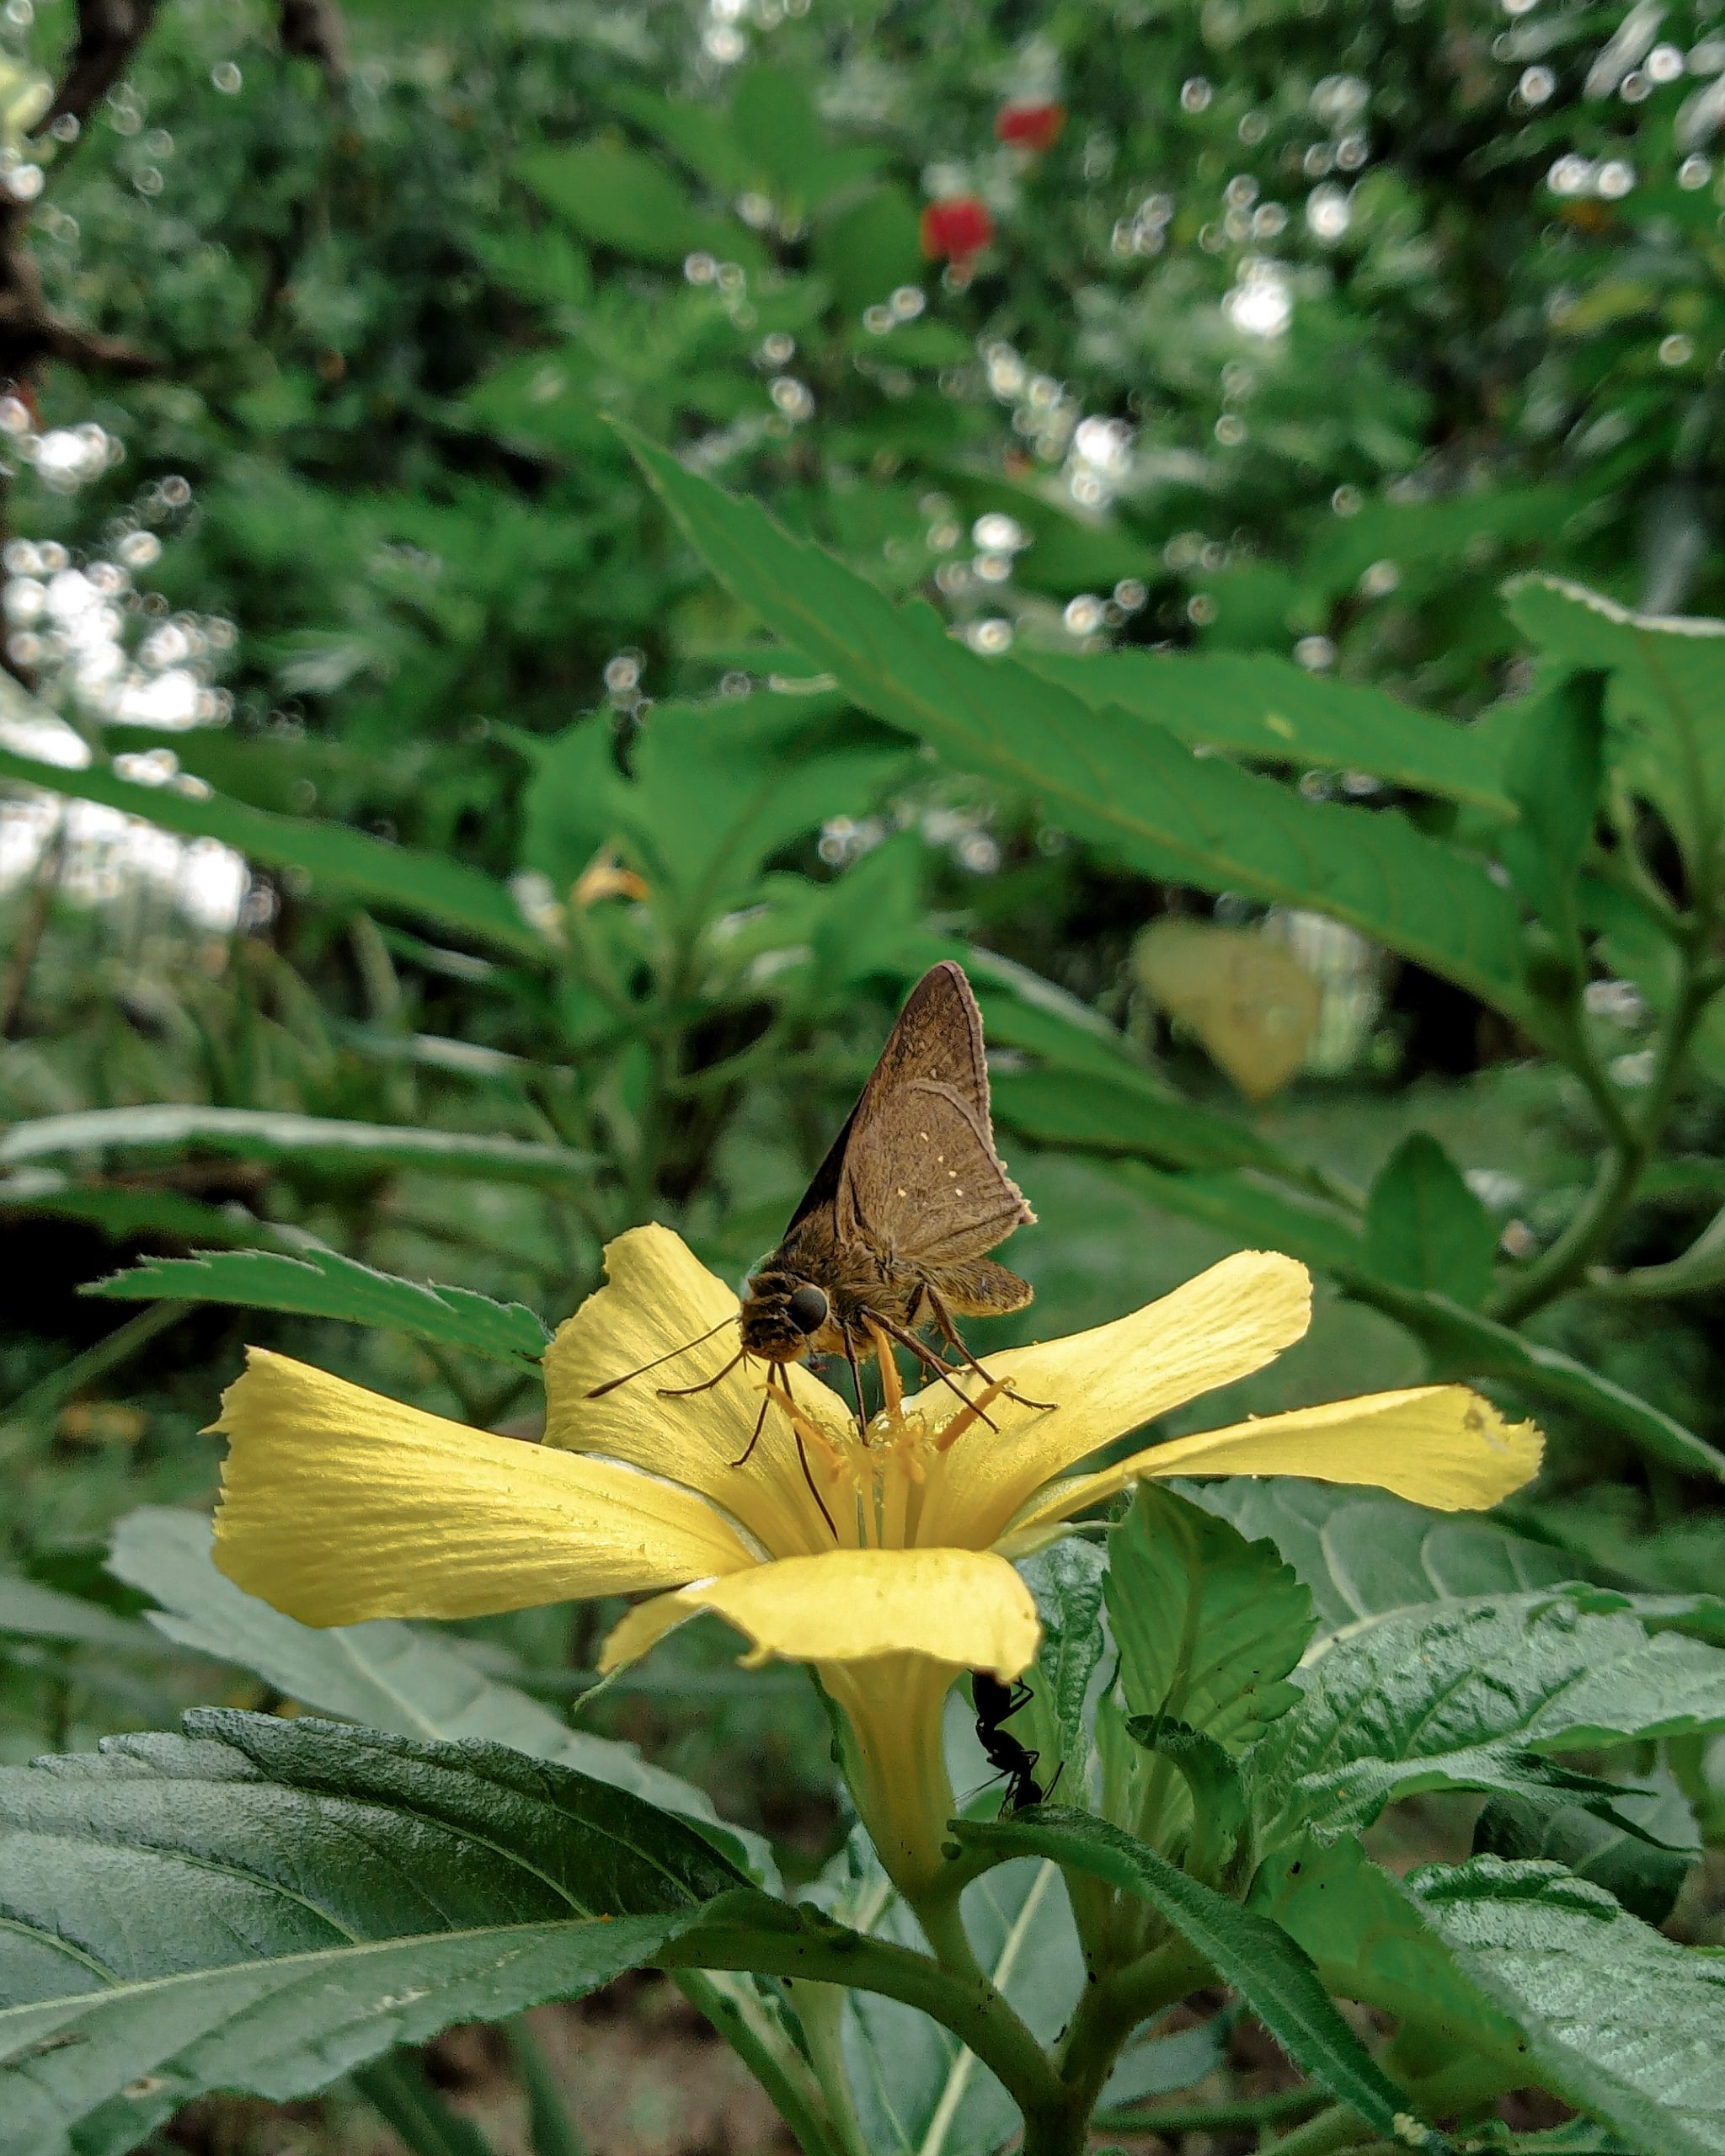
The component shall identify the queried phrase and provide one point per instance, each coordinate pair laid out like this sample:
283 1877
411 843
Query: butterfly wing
915 1168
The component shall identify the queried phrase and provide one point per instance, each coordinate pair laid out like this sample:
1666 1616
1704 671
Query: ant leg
950 1332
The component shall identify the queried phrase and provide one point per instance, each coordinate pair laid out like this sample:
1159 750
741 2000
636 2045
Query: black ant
996 1702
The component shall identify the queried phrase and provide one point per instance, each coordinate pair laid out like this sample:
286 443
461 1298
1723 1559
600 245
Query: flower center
876 1484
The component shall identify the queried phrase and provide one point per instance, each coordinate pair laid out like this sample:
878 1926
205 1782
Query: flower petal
660 1298
1227 1323
1438 1445
338 1504
962 1609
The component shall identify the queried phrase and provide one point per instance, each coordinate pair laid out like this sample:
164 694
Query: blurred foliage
573 898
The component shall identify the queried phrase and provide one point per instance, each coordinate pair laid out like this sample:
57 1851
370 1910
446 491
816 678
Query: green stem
972 2008
1224 2116
396 2088
729 2004
820 2007
1336 2126
113 1349
550 2128
1565 1264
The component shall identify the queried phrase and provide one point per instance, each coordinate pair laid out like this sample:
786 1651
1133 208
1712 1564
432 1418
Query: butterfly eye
807 1309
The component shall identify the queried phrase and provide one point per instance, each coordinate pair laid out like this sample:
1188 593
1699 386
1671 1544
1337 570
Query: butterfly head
781 1315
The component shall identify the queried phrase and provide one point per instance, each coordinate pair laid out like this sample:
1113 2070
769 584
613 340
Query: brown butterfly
895 1231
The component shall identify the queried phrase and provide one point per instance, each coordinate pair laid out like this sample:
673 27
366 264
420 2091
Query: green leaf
1425 1229
1553 770
349 862
1370 1944
701 136
1273 1975
215 1910
1067 1581
1475 1696
128 1215
1270 711
1214 1784
386 1675
30 1611
1364 1553
323 1283
1088 1113
1644 1871
869 249
772 111
1618 2019
1208 1624
1665 711
623 199
302 1140
1123 784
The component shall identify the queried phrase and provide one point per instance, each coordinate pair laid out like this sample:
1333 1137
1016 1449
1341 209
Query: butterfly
894 1233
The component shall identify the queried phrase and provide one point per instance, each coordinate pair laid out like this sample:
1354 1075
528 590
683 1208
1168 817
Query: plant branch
971 2007
1565 1264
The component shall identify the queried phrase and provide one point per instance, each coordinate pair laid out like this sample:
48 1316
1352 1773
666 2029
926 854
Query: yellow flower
338 1504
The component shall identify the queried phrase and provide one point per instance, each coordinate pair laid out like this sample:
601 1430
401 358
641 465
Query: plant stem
1218 2118
396 2088
1565 1264
550 2128
729 2004
113 1349
1336 2126
972 2008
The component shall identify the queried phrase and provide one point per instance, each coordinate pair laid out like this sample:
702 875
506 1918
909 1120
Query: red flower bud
1033 127
956 229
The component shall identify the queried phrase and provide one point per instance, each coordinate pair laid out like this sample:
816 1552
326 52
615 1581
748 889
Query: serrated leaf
1118 781
1621 2022
386 1675
1370 1944
323 1283
1665 710
1474 1695
1644 1871
1273 1975
1364 1553
447 892
1066 1579
1424 1228
1208 1624
315 1141
1270 711
210 1910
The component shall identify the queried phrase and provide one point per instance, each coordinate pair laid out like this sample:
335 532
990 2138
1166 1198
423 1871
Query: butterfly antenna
610 1385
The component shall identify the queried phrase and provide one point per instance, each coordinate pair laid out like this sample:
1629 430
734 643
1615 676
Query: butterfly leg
742 1459
790 1407
686 1391
856 1380
950 1332
931 1361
